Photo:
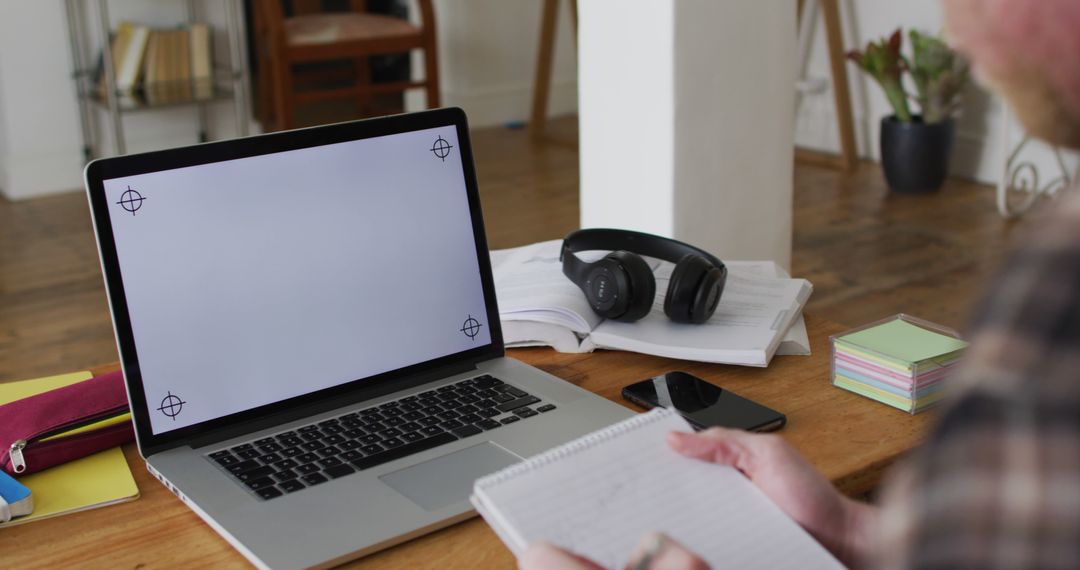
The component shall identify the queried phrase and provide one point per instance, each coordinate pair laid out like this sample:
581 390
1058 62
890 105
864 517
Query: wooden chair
310 35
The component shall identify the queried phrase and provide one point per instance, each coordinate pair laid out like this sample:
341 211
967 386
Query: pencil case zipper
39 442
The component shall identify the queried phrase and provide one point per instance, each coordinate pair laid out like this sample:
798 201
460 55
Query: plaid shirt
997 484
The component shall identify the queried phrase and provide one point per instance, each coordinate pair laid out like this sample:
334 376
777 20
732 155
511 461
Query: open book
597 496
539 306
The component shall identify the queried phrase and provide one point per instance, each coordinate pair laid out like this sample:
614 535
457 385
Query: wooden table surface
849 438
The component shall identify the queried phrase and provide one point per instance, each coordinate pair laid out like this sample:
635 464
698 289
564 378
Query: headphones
621 286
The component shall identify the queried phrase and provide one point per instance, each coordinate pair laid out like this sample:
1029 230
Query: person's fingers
717 445
657 551
546 556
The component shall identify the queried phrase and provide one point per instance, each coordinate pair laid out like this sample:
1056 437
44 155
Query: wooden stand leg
542 82
835 36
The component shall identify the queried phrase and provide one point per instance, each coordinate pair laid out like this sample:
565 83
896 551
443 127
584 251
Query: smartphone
703 404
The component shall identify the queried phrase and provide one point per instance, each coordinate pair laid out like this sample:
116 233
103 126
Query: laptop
309 334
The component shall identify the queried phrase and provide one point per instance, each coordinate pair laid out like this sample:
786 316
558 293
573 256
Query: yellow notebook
93 481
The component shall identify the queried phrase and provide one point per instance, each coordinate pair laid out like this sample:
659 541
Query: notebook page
600 500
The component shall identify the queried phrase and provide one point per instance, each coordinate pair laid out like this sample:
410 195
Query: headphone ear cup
688 294
641 285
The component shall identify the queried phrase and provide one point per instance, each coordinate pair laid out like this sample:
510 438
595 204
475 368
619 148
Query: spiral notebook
598 495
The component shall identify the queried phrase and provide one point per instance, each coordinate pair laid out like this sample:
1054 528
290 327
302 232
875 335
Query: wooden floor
868 253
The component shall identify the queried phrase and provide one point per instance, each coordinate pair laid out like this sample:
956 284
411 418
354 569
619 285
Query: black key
428 421
486 382
409 399
466 390
355 433
485 404
222 453
270 458
284 435
306 429
468 409
489 393
414 415
253 474
466 431
370 439
243 466
468 399
291 486
268 493
546 408
311 435
260 482
333 439
371 449
308 469
373 417
510 420
332 429
410 407
432 410
427 394
242 447
525 412
307 458
329 422
327 451
488 424
264 441
313 445
410 426
314 479
431 430
339 471
444 389
329 461
350 416
470 418
350 424
269 448
391 432
375 426
285 475
515 404
351 454
392 443
446 397
394 422
403 451
350 444
412 436
291 441
286 464
451 424
500 398
249 453
515 392
448 415
227 460
428 401
488 413
292 451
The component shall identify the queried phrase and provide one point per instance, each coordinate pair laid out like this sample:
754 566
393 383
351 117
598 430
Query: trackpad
446 480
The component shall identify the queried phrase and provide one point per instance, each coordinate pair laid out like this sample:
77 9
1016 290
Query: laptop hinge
361 394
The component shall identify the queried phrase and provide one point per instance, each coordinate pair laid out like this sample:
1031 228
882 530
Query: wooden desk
851 439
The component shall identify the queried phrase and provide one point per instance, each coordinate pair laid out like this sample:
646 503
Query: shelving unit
229 80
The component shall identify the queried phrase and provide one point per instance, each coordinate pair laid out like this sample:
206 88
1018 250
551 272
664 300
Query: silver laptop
309 334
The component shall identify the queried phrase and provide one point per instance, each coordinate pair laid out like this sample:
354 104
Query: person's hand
842 525
653 552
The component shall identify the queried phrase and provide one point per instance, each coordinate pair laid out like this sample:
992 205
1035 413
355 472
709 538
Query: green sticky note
904 341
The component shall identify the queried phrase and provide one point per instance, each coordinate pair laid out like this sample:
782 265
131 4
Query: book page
531 286
600 500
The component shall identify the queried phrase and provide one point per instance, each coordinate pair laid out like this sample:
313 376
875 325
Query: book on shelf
760 311
165 65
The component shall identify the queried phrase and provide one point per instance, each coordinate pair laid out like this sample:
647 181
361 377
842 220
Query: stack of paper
901 361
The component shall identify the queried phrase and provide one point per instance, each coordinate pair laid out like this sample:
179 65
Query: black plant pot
915 155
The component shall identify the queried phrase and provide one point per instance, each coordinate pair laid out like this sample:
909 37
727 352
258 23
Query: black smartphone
703 404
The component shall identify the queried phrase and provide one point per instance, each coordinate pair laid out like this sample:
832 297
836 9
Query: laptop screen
259 279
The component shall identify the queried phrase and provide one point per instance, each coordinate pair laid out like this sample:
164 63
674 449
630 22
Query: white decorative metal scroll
1020 177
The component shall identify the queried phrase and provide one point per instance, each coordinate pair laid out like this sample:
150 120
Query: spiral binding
573 447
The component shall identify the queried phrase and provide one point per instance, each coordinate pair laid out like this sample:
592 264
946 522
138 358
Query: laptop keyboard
313 454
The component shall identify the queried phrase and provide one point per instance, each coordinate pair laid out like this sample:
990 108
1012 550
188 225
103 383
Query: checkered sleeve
997 484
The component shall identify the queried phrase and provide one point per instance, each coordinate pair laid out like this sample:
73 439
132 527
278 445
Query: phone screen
702 403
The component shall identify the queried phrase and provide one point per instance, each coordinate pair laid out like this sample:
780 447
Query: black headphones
621 286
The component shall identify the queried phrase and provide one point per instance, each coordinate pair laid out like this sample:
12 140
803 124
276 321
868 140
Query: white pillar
687 121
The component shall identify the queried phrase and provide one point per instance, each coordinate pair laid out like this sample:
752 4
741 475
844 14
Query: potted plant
915 148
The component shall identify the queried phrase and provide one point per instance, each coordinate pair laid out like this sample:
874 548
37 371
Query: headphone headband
663 248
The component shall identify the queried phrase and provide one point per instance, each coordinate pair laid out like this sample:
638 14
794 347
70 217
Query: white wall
977 148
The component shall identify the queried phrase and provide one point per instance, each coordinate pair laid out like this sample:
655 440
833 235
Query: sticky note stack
900 361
